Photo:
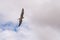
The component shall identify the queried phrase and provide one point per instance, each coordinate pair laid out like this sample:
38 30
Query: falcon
21 17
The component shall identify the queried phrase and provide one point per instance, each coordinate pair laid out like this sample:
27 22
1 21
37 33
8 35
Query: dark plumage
21 17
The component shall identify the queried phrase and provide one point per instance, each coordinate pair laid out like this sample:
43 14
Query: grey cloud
45 19
41 14
46 14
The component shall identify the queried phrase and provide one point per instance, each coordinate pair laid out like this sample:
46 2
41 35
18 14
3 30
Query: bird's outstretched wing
22 13
21 17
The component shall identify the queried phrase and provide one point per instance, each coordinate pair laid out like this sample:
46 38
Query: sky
41 20
10 11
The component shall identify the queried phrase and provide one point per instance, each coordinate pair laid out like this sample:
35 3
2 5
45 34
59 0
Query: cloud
9 13
21 34
46 13
11 31
42 16
44 19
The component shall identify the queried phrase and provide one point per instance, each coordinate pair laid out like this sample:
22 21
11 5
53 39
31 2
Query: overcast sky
41 20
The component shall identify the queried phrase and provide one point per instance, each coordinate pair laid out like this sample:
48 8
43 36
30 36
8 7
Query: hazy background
42 17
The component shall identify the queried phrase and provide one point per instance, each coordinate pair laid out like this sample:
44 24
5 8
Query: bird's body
21 17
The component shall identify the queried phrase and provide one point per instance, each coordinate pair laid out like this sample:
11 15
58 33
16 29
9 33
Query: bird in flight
21 17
